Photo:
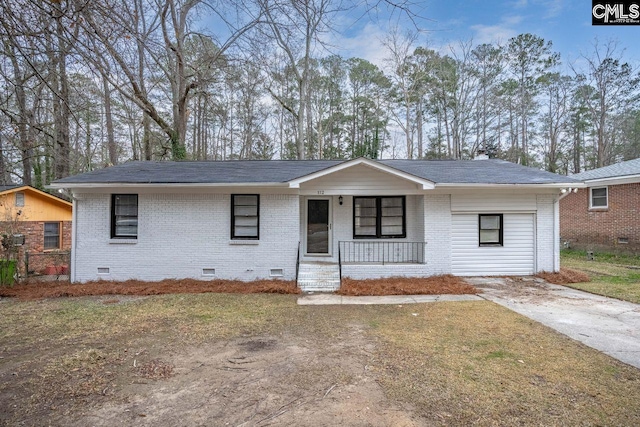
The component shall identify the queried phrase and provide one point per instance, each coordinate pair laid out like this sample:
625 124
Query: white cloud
497 33
365 43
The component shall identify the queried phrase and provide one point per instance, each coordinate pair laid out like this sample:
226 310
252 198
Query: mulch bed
564 277
434 285
35 289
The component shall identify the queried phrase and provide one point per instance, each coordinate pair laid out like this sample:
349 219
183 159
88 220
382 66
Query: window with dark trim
51 235
245 216
379 217
490 229
124 216
599 197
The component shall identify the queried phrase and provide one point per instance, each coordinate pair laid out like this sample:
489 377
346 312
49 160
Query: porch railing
368 252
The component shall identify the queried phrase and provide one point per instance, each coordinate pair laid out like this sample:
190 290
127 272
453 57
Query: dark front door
318 229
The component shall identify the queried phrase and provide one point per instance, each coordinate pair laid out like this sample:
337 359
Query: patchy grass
603 257
434 285
38 289
480 364
611 275
564 276
464 363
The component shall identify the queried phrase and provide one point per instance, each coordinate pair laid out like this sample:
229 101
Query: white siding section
547 233
515 257
494 202
360 180
179 235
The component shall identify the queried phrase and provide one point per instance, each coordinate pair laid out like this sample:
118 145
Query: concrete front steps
318 277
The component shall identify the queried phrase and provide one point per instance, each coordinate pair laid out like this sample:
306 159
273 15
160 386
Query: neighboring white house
313 220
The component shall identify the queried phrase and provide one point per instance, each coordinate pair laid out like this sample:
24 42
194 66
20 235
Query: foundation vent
208 271
276 272
103 270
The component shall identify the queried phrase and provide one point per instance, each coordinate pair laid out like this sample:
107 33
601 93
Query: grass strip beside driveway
607 277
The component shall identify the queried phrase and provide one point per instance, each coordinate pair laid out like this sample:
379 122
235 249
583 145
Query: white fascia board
55 186
558 185
424 183
614 180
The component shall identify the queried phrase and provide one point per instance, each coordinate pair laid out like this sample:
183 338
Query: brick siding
34 244
600 229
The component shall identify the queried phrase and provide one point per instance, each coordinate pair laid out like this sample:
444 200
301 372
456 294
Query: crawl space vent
103 270
276 272
208 271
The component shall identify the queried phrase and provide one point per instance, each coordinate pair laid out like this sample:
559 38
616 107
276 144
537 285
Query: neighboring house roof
8 189
629 170
290 172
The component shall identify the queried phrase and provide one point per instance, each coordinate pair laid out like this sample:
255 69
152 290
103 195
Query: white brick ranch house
314 220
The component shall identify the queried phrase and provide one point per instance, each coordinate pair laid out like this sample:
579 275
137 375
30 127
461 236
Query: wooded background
87 84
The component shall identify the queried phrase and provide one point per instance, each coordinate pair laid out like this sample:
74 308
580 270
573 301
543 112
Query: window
20 199
51 235
378 217
599 198
245 216
124 216
490 230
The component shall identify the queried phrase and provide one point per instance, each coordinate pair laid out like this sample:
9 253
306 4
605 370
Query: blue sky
567 23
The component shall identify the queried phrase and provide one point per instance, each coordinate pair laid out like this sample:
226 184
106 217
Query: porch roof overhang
424 184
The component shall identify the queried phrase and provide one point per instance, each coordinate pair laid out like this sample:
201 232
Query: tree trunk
112 148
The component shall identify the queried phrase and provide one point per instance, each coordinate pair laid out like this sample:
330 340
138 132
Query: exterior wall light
340 200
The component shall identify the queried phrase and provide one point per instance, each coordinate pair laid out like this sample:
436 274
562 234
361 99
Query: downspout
556 225
74 221
556 232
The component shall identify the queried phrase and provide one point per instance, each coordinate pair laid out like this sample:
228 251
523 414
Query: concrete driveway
606 324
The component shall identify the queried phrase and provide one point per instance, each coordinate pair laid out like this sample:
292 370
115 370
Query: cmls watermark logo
615 13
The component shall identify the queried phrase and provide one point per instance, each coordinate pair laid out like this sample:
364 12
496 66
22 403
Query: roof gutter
558 185
71 185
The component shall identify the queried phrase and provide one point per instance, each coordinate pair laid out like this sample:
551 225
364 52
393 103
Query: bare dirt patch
434 285
36 289
564 276
256 381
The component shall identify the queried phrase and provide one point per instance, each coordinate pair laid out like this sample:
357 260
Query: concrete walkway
333 299
606 324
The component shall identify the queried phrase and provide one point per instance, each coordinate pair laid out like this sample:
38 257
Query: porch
392 258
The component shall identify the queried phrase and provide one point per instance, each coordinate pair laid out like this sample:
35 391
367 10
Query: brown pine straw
434 285
564 276
36 289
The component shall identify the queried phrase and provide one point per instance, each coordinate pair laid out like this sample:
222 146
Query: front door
318 227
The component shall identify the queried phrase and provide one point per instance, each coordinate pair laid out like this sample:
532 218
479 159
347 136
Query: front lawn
616 276
218 359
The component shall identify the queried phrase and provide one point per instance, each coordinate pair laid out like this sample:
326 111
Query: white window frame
606 206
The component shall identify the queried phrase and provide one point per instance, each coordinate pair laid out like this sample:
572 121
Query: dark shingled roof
281 171
8 187
630 167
